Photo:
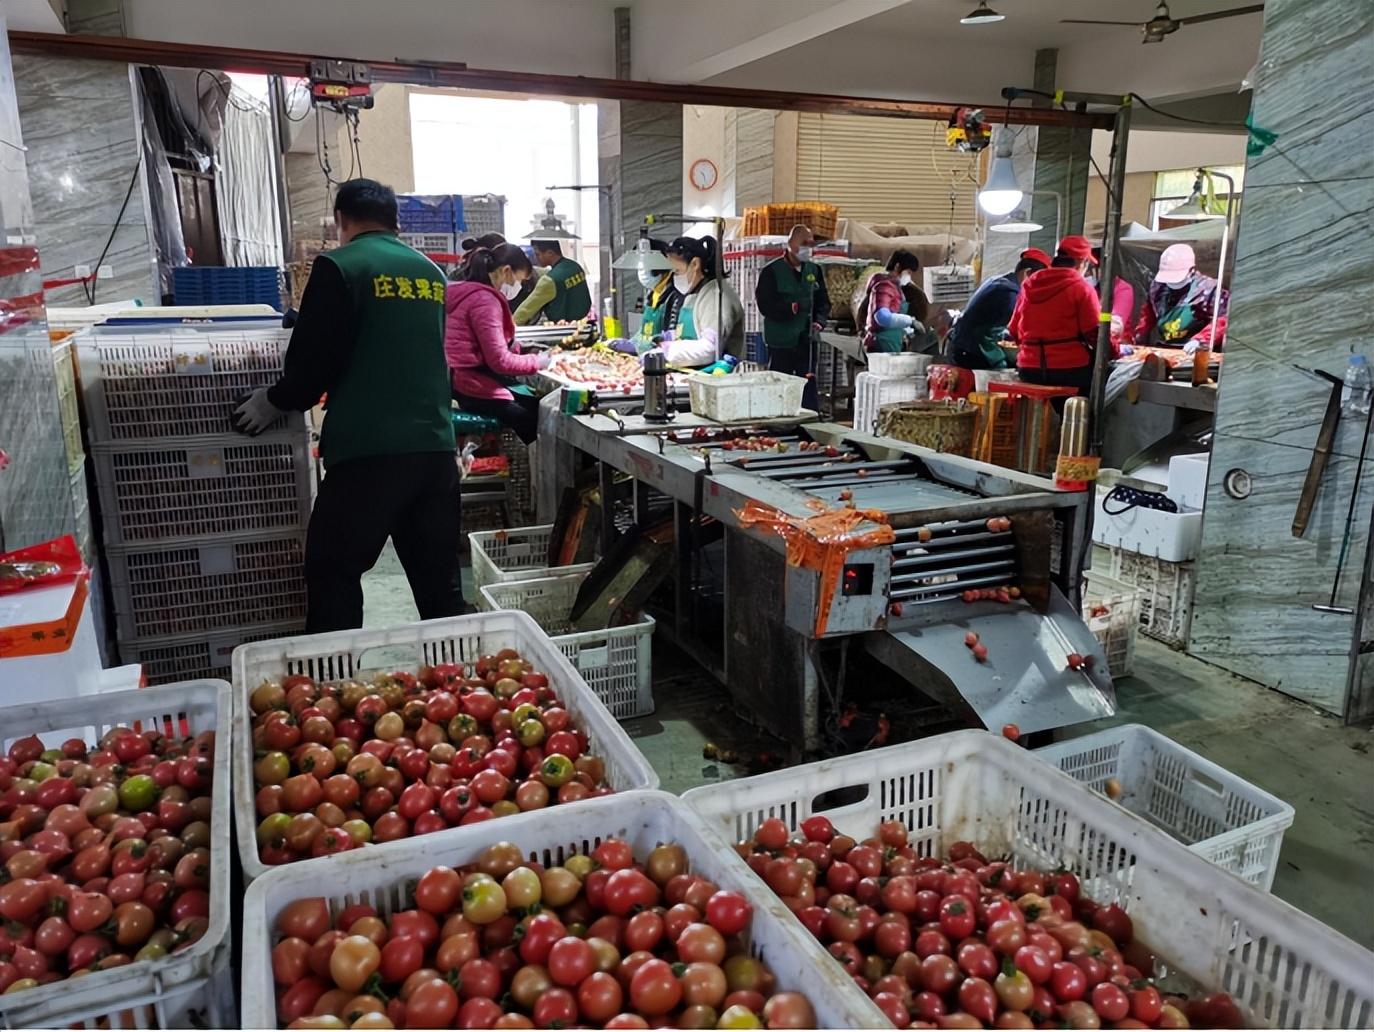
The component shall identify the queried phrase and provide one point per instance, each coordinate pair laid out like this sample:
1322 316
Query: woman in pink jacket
478 336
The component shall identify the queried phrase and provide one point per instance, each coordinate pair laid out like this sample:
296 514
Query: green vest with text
799 288
572 300
394 396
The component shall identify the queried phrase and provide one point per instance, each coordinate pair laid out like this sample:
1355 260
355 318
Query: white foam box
52 651
1171 536
1188 480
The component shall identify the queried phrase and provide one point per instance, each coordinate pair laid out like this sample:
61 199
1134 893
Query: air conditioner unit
948 286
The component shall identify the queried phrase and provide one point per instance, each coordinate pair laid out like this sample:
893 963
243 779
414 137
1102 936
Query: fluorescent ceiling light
981 15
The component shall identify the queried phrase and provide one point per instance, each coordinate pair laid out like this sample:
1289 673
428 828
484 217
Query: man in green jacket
561 295
793 301
370 335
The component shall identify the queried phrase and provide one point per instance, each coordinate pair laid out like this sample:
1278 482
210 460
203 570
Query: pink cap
1175 264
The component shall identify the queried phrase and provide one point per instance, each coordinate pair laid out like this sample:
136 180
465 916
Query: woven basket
938 425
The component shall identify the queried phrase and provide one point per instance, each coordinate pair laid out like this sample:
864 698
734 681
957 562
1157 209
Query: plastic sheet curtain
246 185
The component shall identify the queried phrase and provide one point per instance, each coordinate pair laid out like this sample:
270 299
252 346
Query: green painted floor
1323 770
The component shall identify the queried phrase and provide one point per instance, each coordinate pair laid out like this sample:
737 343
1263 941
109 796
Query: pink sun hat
1175 264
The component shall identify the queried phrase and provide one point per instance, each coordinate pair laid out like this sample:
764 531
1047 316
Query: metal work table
1176 394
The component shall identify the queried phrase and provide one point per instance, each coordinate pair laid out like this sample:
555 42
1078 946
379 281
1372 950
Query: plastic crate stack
745 258
227 285
204 528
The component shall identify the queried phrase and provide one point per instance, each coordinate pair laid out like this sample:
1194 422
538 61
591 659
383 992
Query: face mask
510 291
803 254
904 279
683 282
647 279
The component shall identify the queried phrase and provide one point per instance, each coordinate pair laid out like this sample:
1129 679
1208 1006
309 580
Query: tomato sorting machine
959 578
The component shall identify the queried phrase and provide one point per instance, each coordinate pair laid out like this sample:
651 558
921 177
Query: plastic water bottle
1355 393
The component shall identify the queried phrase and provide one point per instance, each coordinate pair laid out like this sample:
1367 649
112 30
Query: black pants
797 361
520 412
1081 377
410 498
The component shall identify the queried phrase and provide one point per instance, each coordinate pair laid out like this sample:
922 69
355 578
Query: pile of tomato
106 853
600 941
966 942
341 764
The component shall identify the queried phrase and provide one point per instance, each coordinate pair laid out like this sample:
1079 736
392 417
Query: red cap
1036 255
1078 248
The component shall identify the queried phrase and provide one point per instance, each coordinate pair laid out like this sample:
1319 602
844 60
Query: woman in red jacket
1055 320
478 335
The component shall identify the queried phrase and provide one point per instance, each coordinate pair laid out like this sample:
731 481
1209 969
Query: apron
686 325
892 340
1182 320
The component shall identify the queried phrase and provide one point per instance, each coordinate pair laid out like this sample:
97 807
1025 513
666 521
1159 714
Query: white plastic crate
195 656
872 391
384 875
82 527
743 396
1216 814
458 639
191 989
200 585
1111 609
617 662
483 213
518 553
1166 593
898 363
1284 968
431 243
163 383
199 487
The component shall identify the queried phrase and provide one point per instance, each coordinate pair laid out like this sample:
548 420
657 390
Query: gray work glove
256 413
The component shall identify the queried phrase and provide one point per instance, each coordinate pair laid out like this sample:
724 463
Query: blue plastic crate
227 285
430 213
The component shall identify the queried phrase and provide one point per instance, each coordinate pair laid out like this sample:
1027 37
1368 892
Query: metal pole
1221 263
1110 243
281 144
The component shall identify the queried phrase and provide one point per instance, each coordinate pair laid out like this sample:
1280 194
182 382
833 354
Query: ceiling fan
1163 23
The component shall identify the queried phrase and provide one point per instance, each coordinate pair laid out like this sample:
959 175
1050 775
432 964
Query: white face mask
683 282
904 279
803 254
647 278
510 291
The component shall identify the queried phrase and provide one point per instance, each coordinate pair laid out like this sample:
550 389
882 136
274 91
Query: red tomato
555 1008
300 999
614 855
628 891
1068 982
1112 1003
729 912
478 978
401 958
1064 883
642 932
1114 922
570 961
479 1012
1146 1004
977 997
432 1005
1035 963
415 924
977 960
439 890
599 997
818 829
654 989
957 917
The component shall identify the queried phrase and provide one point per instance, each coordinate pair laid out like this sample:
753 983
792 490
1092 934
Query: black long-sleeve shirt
322 341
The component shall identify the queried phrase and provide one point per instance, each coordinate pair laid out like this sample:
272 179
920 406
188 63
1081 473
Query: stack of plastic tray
1166 593
1111 609
384 877
68 406
1284 968
873 390
499 556
203 527
192 988
227 285
483 213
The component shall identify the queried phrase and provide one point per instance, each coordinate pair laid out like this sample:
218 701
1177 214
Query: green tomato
272 828
152 951
483 902
42 771
358 830
739 1016
529 732
525 711
51 755
556 770
138 793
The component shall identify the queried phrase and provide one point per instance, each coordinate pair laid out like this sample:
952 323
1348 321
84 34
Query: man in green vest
792 299
370 335
561 295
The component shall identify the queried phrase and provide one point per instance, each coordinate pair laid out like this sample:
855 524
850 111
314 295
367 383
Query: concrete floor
1323 770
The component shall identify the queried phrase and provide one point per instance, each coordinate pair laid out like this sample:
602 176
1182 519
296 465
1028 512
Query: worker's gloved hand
817 327
1127 350
256 413
544 360
1191 348
625 346
665 337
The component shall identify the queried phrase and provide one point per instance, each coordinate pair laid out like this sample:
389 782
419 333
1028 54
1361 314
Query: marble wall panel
35 490
645 172
753 157
84 152
1302 296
